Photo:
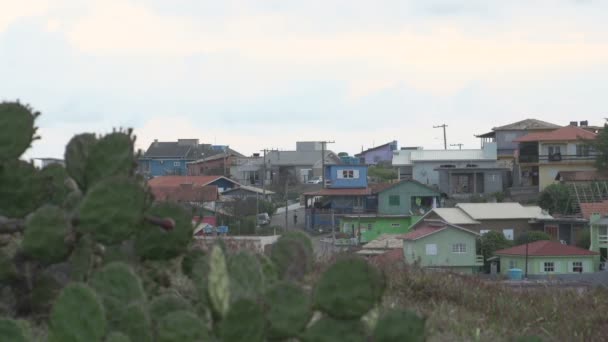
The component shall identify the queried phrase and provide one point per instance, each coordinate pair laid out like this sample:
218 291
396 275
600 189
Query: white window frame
348 174
395 225
459 248
431 249
483 231
508 236
582 266
512 264
176 163
546 266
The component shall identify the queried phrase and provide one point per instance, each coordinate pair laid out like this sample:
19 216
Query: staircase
592 192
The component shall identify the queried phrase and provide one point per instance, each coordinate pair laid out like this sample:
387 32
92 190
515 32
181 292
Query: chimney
584 123
155 142
573 123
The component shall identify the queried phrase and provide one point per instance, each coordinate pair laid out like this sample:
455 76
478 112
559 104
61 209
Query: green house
407 197
598 229
547 257
436 244
367 227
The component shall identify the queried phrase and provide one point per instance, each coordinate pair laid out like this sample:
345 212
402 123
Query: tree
489 243
531 236
383 174
556 199
600 145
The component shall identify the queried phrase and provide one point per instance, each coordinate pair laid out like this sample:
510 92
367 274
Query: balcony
479 260
528 158
602 239
566 158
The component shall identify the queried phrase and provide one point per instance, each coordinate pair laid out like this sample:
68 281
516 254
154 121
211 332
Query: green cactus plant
20 189
183 326
111 156
349 288
190 259
53 188
134 321
243 322
218 282
13 331
246 277
82 258
77 316
300 236
72 201
76 157
288 310
153 243
117 336
291 257
328 329
118 287
165 304
8 271
45 233
399 325
44 293
112 210
529 339
17 130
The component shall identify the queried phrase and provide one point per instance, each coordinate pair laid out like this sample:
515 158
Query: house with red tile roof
548 257
440 245
541 156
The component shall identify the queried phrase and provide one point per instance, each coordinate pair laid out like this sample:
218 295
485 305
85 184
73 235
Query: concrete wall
425 173
563 265
406 191
416 250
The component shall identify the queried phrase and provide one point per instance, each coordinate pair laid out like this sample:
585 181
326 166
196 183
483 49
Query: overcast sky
255 74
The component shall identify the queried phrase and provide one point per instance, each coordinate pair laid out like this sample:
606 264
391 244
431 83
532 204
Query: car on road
263 219
316 180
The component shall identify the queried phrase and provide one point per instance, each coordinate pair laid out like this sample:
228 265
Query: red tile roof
178 180
545 248
567 133
592 208
422 232
341 192
185 193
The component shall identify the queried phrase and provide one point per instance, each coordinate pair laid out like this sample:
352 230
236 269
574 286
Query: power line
445 142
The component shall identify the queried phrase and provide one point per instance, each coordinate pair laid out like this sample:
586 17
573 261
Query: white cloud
14 10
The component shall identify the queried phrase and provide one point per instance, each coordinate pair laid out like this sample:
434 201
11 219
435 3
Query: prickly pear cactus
118 287
218 282
183 326
117 337
19 189
8 271
349 288
269 269
44 292
53 184
82 258
328 329
77 155
17 129
45 233
165 304
288 310
77 316
399 325
13 331
529 339
246 277
133 321
111 156
152 243
112 210
190 259
292 258
243 322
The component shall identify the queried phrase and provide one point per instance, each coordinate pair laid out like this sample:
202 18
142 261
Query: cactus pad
183 326
77 316
190 259
76 156
133 321
11 330
328 329
118 287
113 155
154 243
246 277
529 339
117 337
112 210
19 189
218 282
82 258
8 271
292 258
167 303
349 288
399 325
16 129
44 292
53 188
44 237
243 322
288 310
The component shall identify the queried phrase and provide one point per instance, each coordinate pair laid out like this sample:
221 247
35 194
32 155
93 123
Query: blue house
170 158
345 176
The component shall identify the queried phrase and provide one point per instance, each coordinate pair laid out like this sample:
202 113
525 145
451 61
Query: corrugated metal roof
454 216
385 241
502 211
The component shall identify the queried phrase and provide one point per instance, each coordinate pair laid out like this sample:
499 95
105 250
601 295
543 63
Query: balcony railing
558 157
479 260
528 159
602 239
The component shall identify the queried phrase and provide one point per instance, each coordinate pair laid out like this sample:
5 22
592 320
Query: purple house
378 154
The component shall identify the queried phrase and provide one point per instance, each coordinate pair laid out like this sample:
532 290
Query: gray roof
527 125
162 149
502 211
454 216
287 158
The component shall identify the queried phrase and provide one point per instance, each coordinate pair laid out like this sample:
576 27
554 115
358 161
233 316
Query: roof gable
376 148
545 248
453 215
566 133
527 125
430 227
382 187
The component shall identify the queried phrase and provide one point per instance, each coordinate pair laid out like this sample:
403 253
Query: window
483 231
549 266
394 200
431 249
554 149
395 225
508 233
582 150
369 226
177 163
348 174
512 264
459 248
577 266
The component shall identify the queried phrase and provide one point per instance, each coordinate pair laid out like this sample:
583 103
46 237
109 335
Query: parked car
316 180
263 219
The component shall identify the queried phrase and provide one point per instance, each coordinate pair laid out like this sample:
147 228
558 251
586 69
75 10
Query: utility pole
445 141
459 145
323 146
286 205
